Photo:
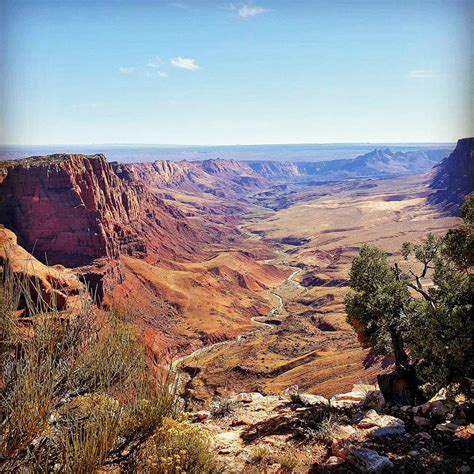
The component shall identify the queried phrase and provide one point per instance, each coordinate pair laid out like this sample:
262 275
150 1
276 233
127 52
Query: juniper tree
419 310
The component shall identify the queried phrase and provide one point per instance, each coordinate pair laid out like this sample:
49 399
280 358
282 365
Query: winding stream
278 309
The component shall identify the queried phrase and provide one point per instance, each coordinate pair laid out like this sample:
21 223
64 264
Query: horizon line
177 145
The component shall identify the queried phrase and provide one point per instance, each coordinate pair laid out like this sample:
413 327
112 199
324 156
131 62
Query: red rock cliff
68 209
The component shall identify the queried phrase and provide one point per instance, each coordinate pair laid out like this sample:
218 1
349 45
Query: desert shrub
260 454
9 300
319 452
74 396
317 423
114 360
295 396
287 462
179 446
91 429
221 407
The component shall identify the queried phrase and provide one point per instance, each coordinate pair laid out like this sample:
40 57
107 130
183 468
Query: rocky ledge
352 432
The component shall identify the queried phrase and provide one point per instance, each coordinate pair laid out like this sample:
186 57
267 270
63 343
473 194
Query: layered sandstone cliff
81 212
220 178
69 209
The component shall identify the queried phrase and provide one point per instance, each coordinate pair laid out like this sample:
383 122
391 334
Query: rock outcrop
220 178
76 209
453 178
54 286
69 209
299 432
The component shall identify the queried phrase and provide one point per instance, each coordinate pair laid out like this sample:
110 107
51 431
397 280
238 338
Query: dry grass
288 462
260 454
74 396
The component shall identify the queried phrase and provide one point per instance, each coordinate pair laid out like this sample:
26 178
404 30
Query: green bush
419 310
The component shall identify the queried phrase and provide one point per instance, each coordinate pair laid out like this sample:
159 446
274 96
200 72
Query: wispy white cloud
154 68
126 70
184 63
422 74
155 63
182 6
247 11
154 73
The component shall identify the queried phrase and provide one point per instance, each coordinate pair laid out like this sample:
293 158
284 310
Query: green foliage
459 243
422 306
375 306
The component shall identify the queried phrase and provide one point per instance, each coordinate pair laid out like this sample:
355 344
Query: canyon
234 271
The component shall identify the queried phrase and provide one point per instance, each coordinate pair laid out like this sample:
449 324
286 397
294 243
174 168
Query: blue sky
216 72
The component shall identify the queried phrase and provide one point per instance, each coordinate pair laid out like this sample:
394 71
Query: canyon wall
221 178
453 178
69 209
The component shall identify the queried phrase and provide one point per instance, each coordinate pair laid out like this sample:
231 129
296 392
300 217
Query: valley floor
306 341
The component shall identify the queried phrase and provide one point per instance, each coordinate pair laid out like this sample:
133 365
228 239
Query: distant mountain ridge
300 152
377 163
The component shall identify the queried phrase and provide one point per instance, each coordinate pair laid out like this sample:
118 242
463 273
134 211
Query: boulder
349 399
422 422
381 425
241 421
356 396
249 397
366 460
227 438
440 408
423 435
334 461
344 432
309 400
447 427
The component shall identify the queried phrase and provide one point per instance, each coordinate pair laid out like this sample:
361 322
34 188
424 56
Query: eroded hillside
235 275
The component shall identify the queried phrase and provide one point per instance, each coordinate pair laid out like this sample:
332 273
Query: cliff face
53 285
69 209
80 211
453 178
221 178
